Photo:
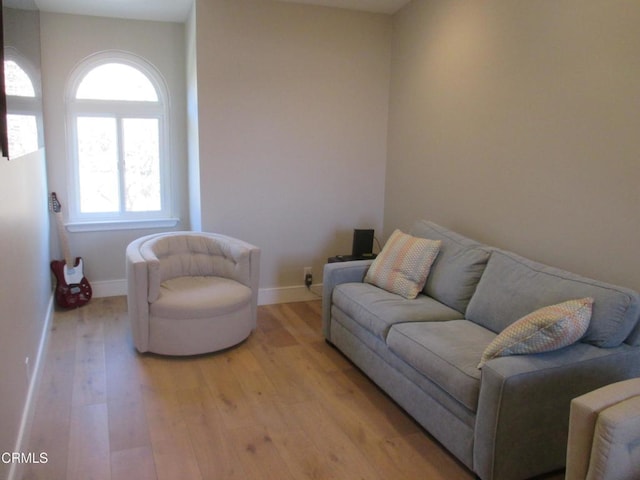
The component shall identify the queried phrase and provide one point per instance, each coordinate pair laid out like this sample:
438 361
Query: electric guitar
72 287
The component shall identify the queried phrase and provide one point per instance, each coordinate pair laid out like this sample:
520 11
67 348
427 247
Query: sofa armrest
334 274
522 419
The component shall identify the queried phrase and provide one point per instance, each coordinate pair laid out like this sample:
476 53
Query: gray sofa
508 420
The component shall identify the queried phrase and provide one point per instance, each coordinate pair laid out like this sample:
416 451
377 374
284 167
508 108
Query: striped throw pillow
546 329
403 264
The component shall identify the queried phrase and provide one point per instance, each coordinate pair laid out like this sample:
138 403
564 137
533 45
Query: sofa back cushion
512 287
458 267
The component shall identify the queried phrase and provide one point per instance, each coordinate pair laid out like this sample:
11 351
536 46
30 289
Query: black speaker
362 243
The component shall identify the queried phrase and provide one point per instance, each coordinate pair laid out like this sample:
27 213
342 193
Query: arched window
23 104
117 115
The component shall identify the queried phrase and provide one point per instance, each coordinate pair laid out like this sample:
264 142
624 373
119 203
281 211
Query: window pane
17 82
23 134
116 81
98 164
142 164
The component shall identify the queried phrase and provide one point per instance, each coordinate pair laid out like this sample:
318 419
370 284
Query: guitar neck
64 241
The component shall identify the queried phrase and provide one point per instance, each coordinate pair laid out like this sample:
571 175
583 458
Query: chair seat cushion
199 297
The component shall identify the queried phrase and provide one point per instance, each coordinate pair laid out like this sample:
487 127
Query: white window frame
82 221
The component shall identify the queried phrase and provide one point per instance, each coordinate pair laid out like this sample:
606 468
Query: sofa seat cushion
199 297
447 353
512 287
377 310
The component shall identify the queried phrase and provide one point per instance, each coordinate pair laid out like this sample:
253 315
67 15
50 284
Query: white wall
292 128
66 41
517 123
25 281
193 137
284 112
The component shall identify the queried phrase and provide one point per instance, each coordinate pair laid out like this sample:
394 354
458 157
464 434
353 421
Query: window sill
104 226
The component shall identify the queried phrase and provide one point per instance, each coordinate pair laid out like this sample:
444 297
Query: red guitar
72 287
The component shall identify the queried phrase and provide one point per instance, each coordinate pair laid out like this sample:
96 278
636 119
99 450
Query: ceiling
178 10
378 6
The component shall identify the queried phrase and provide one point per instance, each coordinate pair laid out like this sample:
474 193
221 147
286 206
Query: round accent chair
604 433
190 293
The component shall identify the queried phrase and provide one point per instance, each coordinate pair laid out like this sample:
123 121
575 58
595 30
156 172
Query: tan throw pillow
403 264
546 329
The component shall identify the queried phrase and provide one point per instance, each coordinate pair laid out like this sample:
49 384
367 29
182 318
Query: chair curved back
195 254
154 259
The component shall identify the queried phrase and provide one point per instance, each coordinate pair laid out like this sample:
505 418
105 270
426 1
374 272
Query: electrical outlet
308 276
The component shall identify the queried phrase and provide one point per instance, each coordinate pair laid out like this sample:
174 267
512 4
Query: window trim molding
74 108
106 225
87 64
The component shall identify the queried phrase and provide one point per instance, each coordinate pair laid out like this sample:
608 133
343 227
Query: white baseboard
109 288
15 472
269 296
266 296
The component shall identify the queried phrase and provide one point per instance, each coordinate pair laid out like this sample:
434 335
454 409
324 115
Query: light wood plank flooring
282 405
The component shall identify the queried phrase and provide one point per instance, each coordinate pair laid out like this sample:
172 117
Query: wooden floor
282 405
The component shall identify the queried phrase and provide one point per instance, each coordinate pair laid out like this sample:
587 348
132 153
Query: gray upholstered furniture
508 420
190 293
604 433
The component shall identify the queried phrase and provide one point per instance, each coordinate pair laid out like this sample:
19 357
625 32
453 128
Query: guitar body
72 288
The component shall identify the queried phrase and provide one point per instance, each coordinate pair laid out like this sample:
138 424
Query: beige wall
25 286
512 123
287 109
25 283
292 128
66 41
518 123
